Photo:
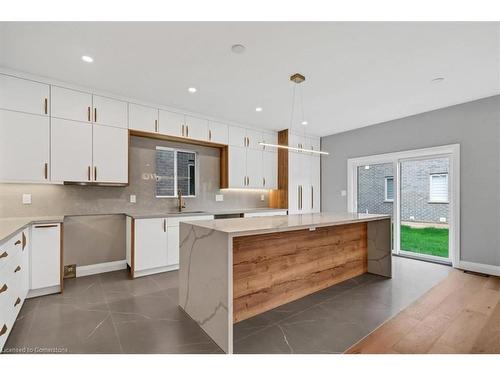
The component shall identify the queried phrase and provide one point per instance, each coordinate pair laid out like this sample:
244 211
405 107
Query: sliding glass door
419 190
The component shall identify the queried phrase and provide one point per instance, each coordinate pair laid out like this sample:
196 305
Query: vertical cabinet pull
312 197
187 131
3 330
88 173
95 114
95 173
263 181
164 225
88 114
23 241
3 288
18 301
209 135
46 106
46 170
183 130
156 126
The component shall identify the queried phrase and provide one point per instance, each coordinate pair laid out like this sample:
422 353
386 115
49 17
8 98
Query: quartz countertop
9 226
148 215
271 224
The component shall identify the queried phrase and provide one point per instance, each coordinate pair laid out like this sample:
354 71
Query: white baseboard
479 267
93 269
32 293
152 271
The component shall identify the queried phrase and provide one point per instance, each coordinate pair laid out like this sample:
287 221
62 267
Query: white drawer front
174 221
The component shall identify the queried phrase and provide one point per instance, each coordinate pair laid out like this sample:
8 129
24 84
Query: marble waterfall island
233 269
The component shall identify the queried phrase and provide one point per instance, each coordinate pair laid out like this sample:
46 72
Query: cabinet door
305 178
45 255
315 144
110 154
142 118
70 150
254 137
150 243
171 123
316 183
255 173
237 167
110 112
24 95
70 104
196 128
237 136
218 132
24 147
270 167
270 138
294 182
173 246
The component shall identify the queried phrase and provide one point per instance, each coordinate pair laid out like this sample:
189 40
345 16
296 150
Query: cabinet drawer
174 221
10 249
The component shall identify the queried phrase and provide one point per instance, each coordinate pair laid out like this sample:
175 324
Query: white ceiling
358 74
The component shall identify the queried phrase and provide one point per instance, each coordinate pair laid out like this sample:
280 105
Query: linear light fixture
294 148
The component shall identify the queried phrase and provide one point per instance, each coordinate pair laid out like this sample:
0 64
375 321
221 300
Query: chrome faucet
180 203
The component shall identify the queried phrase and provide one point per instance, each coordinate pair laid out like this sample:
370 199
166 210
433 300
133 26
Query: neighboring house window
438 191
175 170
389 189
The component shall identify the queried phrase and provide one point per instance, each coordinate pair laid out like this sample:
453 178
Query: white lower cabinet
155 244
24 265
45 256
24 147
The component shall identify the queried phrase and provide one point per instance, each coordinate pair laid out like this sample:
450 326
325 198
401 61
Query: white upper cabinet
255 173
237 136
218 132
110 154
196 128
253 139
237 167
110 112
23 95
71 104
270 168
270 138
24 147
142 118
171 123
71 151
315 144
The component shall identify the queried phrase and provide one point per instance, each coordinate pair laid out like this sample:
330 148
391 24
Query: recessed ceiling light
304 122
192 90
437 80
87 59
258 109
238 48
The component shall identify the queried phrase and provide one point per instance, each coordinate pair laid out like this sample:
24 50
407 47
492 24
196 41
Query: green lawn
431 241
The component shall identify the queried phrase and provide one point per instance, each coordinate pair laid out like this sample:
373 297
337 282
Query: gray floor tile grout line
272 324
111 315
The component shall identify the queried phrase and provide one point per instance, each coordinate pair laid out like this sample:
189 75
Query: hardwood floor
459 315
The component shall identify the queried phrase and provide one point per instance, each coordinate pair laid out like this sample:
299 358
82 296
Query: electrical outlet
133 198
219 197
343 193
262 197
26 198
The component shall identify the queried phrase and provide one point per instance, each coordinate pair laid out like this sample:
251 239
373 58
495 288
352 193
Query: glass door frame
450 151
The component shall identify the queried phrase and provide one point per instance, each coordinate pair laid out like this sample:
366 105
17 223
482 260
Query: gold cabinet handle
3 330
3 288
209 135
4 255
46 170
88 173
263 181
95 114
95 173
46 226
18 268
18 242
46 106
164 225
183 130
187 131
88 113
23 240
312 197
18 301
156 126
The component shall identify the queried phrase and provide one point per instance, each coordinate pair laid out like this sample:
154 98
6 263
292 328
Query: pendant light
296 78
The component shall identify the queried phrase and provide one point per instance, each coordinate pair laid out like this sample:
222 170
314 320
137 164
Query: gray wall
474 125
97 231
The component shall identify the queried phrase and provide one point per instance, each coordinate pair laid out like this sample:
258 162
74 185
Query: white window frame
453 153
196 171
386 199
430 188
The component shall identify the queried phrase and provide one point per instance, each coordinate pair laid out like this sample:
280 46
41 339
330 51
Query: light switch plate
262 197
219 197
133 198
343 193
26 198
